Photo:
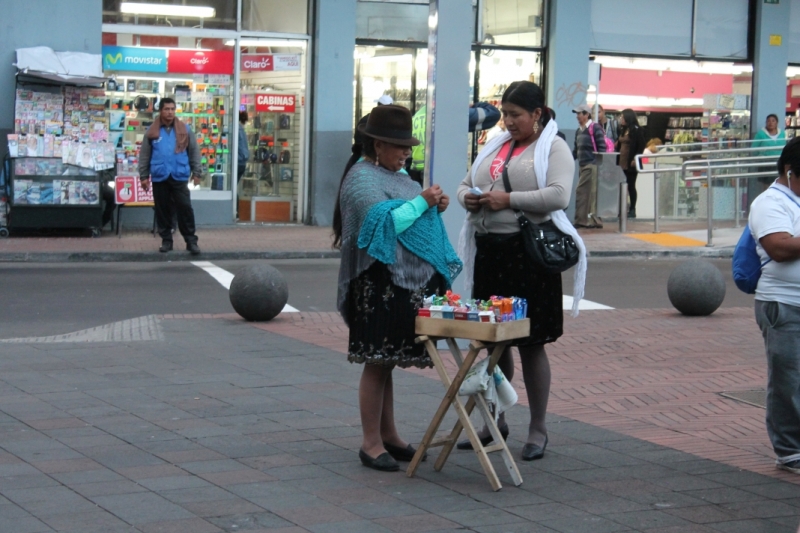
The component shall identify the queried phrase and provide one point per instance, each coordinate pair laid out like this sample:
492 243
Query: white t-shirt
775 212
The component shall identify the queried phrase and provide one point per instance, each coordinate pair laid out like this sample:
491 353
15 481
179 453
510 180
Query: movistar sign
134 58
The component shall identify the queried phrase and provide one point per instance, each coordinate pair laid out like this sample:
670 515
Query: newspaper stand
494 338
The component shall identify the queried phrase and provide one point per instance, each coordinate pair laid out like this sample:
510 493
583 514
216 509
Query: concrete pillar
332 97
449 46
568 45
769 63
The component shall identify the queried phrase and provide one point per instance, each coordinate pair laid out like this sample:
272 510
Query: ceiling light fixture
140 8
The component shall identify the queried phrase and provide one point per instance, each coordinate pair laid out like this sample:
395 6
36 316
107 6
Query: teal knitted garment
426 238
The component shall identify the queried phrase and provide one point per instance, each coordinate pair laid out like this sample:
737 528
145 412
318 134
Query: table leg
450 396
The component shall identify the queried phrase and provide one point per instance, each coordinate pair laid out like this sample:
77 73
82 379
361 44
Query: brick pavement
652 374
224 426
279 241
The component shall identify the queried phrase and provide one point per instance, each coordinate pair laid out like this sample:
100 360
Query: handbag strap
506 181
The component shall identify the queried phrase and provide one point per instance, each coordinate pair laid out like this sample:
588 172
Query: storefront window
388 70
219 14
392 21
275 15
512 22
198 78
273 94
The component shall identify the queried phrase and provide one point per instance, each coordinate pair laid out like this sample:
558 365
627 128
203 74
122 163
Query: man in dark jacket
589 138
169 157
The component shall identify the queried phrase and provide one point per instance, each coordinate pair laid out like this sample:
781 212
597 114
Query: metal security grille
757 398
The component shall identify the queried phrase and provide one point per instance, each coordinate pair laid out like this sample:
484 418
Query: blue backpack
747 264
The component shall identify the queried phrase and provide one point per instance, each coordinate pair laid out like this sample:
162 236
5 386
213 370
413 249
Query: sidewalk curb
156 257
710 253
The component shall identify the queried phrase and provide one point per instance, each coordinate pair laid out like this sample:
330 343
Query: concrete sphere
696 288
258 293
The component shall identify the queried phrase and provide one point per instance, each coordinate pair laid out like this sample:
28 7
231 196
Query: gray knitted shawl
365 185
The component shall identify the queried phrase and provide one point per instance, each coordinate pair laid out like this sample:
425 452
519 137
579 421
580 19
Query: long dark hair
790 155
528 96
366 148
631 122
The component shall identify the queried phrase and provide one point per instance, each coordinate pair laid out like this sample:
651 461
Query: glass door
272 113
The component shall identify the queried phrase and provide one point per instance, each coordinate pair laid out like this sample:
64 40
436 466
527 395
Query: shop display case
46 193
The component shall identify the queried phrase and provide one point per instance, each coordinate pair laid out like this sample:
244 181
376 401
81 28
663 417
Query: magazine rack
494 338
45 193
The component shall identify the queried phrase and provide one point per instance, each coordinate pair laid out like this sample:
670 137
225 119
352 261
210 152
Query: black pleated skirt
382 317
502 268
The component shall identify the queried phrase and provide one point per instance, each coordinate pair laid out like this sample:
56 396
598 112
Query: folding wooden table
494 338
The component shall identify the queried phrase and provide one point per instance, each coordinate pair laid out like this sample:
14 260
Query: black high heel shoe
467 445
532 452
402 454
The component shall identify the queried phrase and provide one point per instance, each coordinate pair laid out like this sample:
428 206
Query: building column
332 97
449 44
568 45
770 59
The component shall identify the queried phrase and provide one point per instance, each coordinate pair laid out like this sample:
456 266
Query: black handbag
550 248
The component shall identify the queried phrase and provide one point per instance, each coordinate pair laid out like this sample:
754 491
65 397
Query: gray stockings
780 326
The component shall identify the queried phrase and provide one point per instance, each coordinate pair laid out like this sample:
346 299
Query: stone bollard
258 293
696 288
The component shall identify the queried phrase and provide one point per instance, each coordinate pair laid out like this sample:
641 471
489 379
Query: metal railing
712 163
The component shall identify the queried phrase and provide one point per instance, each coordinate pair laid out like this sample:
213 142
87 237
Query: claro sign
191 62
269 62
275 103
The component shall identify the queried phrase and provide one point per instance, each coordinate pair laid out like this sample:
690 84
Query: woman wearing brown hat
384 224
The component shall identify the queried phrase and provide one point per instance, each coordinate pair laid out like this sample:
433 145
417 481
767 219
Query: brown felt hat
389 123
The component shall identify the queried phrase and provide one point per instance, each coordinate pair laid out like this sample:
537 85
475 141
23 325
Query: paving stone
189 525
414 523
752 526
722 495
311 515
141 507
650 519
587 524
253 521
359 526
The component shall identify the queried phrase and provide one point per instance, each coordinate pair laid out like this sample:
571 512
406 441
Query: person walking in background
394 253
540 174
629 145
775 224
610 126
243 154
168 158
770 135
482 116
588 139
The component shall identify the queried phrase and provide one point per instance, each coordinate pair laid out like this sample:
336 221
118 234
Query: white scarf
541 155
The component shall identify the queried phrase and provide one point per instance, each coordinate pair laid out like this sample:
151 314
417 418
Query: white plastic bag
477 379
506 395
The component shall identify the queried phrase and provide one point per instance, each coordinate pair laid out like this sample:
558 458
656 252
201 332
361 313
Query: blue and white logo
134 58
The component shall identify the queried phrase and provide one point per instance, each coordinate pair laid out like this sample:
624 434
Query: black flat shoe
467 445
193 248
166 246
532 452
383 462
402 454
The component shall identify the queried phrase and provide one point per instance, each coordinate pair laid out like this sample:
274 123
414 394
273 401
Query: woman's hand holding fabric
432 195
444 201
472 202
495 200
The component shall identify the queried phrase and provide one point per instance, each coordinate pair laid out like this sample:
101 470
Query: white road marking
225 278
584 305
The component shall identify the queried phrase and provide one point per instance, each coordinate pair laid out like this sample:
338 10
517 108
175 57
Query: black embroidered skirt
502 268
382 319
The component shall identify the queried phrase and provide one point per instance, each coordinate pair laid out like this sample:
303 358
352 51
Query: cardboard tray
478 331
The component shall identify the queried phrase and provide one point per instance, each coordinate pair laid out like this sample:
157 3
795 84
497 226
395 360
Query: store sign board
269 62
191 62
134 58
212 79
128 190
275 103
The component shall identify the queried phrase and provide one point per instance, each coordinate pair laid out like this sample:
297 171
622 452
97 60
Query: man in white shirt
775 224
